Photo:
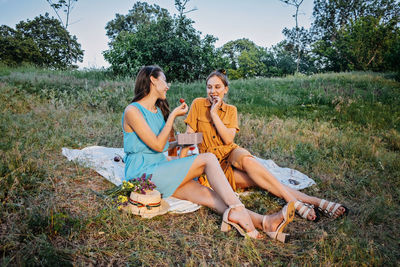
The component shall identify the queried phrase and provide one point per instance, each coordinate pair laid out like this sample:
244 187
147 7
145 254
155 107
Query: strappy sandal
305 210
288 215
331 213
226 225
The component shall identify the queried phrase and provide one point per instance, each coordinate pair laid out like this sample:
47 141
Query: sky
261 21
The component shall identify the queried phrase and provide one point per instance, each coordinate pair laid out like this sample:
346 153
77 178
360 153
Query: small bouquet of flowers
137 185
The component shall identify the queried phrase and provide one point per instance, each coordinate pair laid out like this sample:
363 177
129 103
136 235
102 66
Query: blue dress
139 158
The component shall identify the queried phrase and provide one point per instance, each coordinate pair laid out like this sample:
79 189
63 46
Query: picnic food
118 158
189 138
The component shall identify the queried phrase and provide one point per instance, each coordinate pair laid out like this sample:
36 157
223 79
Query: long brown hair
142 87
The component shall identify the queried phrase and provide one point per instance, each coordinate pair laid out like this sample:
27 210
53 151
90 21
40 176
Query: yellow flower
122 199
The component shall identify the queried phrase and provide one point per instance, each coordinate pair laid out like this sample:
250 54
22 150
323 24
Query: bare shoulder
131 109
132 112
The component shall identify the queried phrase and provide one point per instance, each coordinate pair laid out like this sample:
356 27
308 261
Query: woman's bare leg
255 174
207 163
197 193
261 177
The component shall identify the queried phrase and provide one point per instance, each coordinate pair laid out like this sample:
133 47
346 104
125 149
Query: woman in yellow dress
219 124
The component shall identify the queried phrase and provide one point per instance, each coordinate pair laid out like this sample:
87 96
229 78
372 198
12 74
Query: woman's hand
180 110
215 104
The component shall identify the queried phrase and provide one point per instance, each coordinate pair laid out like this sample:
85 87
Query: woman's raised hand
180 110
216 104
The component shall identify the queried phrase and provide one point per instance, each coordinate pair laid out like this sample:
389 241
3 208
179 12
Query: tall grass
341 129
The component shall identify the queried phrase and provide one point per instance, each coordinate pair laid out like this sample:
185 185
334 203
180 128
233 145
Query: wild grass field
341 129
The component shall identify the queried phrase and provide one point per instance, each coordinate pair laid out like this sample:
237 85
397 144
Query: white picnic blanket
101 159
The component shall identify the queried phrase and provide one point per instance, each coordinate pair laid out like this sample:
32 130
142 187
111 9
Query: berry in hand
182 100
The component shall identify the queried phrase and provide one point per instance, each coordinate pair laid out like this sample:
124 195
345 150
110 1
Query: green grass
341 129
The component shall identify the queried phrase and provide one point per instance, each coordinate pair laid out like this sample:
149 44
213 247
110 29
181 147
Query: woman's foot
271 222
273 225
306 211
332 209
238 216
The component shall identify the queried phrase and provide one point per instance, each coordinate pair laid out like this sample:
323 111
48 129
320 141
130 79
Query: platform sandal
331 213
305 210
288 215
226 225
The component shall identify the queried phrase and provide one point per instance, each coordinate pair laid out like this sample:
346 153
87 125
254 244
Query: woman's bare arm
138 124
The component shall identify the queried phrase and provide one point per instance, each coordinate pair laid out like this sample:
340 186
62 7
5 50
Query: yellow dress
199 119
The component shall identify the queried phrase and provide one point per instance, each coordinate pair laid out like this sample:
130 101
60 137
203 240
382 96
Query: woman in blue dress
147 123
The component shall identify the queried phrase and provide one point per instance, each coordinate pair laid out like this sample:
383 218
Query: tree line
344 36
42 42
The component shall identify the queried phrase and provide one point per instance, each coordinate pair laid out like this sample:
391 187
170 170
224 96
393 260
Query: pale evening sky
261 21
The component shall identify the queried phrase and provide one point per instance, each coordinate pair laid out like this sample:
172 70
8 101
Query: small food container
189 138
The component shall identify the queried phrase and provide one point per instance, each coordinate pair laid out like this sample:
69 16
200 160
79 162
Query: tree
295 32
16 50
244 58
141 14
392 57
41 41
180 5
152 36
285 62
340 25
298 45
364 42
66 6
